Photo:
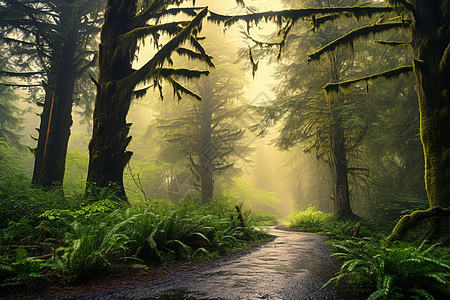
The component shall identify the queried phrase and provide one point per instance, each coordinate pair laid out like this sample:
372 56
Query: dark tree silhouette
125 23
55 38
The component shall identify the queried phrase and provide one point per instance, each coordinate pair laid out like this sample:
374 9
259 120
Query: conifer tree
124 24
208 132
427 21
55 38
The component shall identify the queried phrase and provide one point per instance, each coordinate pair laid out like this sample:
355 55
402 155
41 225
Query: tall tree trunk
207 150
107 148
341 200
431 46
56 118
339 167
431 38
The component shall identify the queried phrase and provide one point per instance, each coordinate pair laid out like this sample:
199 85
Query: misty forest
235 149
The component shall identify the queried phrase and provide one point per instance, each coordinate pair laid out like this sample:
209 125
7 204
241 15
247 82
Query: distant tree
208 132
430 30
126 23
330 127
55 38
10 120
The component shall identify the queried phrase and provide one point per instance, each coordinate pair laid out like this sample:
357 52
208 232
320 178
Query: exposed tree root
409 221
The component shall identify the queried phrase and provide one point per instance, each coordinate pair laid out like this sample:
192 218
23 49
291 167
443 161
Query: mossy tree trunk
56 118
431 47
107 154
431 44
123 26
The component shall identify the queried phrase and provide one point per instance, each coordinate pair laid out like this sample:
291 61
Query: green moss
350 37
394 73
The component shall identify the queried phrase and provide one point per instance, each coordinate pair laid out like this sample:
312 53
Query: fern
397 272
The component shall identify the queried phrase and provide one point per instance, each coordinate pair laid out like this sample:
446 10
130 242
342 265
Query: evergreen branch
187 73
191 54
392 43
296 14
142 32
11 40
178 89
349 37
146 72
334 87
318 21
141 92
19 85
158 7
191 11
21 74
205 57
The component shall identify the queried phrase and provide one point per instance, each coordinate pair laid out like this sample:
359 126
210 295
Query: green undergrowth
375 268
46 236
313 220
396 271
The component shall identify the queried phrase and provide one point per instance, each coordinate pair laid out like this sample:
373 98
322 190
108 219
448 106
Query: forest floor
294 265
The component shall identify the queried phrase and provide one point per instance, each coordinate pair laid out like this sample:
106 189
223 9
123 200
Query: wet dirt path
293 266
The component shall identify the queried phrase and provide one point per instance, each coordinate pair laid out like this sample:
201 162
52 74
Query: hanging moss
191 54
186 73
296 14
335 87
349 38
146 72
393 43
124 40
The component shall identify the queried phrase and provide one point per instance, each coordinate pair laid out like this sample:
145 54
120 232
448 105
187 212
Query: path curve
293 266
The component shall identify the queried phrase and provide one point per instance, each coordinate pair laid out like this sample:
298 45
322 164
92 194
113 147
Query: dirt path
292 266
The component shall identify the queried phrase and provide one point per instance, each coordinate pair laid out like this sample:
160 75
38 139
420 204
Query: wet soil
294 265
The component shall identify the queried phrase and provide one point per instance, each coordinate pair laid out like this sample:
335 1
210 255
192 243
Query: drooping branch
187 73
142 32
296 14
21 74
393 43
178 89
334 87
350 37
191 54
20 85
146 72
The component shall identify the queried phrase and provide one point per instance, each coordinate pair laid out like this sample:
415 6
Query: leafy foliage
151 232
399 271
89 249
20 269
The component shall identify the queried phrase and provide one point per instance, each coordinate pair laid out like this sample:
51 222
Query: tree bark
338 159
431 47
341 199
107 148
431 38
56 118
207 149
